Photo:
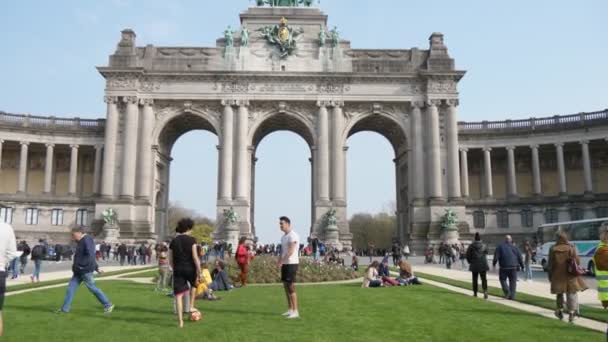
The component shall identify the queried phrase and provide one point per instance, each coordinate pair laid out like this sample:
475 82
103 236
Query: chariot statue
109 217
230 216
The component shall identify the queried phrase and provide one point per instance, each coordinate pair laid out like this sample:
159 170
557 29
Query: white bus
583 234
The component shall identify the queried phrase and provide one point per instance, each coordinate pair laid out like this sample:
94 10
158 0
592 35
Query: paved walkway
66 274
582 322
535 288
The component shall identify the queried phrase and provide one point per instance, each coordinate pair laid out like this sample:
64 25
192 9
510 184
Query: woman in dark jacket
478 264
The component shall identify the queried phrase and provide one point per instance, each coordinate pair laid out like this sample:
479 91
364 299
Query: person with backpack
37 255
565 276
142 254
476 256
23 258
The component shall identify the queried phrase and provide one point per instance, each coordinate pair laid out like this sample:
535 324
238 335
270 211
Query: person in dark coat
509 259
476 256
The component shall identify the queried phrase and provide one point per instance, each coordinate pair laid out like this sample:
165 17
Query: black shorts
288 273
183 281
2 288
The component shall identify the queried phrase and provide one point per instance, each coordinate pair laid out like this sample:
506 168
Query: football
196 316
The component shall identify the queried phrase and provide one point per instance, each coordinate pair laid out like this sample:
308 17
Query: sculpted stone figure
322 37
244 37
230 216
229 36
450 220
335 37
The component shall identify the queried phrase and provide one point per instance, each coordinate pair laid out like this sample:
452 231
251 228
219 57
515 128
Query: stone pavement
582 322
535 287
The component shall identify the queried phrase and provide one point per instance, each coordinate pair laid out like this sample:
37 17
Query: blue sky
523 58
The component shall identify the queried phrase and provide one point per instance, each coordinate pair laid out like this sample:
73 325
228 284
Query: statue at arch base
449 228
231 228
111 230
332 233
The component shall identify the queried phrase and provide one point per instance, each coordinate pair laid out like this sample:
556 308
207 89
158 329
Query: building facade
285 69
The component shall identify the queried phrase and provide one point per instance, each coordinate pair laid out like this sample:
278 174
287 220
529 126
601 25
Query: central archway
266 126
173 125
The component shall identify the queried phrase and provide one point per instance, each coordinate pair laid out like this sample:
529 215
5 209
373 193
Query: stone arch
383 123
174 122
273 121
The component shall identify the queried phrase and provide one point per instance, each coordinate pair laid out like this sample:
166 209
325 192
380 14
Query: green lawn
586 311
329 313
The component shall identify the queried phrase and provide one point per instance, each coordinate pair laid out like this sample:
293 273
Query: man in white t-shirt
288 261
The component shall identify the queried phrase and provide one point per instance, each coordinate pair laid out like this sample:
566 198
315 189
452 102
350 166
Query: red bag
573 267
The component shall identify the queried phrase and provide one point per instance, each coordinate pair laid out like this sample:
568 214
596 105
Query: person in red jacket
242 259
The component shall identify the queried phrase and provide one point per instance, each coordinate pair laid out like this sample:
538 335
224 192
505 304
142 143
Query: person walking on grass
8 252
242 259
476 256
38 252
163 267
85 264
563 280
288 262
185 262
509 259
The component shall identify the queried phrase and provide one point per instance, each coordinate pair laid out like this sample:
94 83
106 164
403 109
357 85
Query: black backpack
37 252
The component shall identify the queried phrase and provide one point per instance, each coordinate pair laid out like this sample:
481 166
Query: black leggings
484 281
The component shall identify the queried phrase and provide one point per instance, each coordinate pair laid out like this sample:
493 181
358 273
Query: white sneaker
293 315
287 313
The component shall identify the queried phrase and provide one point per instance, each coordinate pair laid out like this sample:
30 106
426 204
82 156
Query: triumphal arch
284 68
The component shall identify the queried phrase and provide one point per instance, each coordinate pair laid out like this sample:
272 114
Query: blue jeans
37 265
15 268
89 282
528 271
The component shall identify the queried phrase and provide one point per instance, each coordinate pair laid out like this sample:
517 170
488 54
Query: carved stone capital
50 145
146 102
510 148
130 99
336 103
487 149
584 142
559 144
323 103
110 99
228 102
453 102
24 143
417 104
98 146
242 103
534 146
72 146
464 149
433 103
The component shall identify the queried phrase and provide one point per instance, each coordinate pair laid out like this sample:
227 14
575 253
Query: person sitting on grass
220 278
384 273
206 278
406 274
371 279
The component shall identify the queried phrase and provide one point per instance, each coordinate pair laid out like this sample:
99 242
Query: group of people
447 254
25 253
378 274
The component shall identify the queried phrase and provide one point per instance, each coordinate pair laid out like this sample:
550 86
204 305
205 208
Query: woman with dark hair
183 258
478 265
242 259
371 278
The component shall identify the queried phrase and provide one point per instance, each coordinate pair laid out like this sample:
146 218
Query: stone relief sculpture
282 36
330 218
285 3
450 220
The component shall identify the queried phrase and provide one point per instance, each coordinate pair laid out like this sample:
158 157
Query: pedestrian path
535 288
582 322
136 270
65 274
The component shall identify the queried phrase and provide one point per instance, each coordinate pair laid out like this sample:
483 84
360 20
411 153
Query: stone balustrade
580 120
50 122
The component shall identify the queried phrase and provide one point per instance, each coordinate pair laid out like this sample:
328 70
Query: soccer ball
196 316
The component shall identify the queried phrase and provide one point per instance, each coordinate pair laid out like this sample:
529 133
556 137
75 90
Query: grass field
329 313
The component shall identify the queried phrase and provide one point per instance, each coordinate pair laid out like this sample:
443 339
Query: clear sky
523 58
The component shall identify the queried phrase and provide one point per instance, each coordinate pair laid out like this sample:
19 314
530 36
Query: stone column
97 169
22 184
561 169
129 155
48 168
241 164
73 170
417 151
322 167
434 153
452 141
587 167
145 176
464 172
512 179
109 157
226 148
337 157
1 143
536 182
487 163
